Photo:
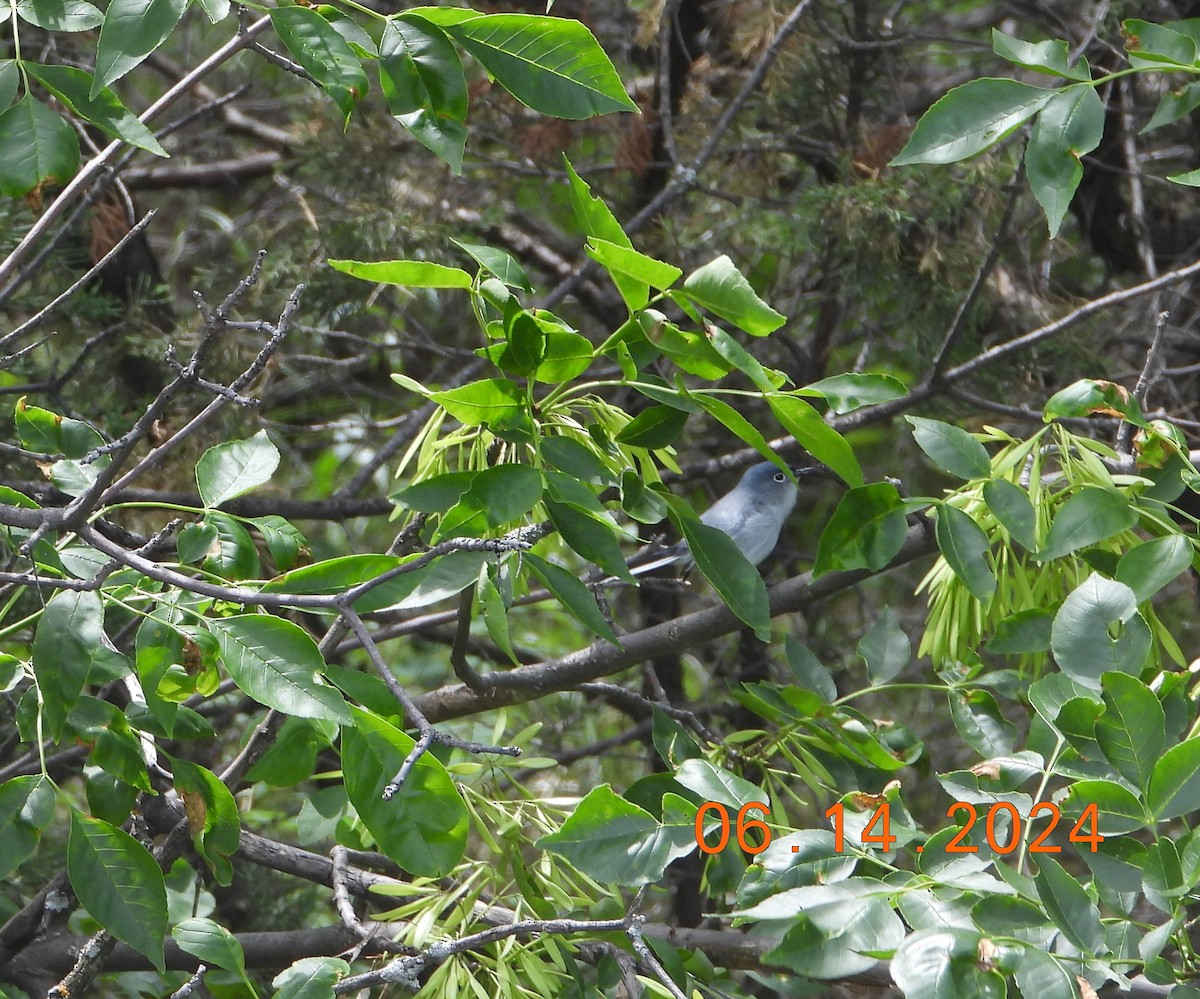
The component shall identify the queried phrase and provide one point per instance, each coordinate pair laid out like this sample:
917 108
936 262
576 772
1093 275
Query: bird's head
769 485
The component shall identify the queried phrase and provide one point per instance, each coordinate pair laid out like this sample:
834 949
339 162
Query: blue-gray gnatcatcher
751 513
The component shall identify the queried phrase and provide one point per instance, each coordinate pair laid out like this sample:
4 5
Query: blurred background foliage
869 263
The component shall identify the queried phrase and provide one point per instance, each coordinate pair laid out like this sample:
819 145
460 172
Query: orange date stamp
878 830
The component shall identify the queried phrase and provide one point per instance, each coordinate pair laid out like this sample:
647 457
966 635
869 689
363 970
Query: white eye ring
780 477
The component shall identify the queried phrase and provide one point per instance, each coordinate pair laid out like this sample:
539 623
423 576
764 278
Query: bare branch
94 167
37 319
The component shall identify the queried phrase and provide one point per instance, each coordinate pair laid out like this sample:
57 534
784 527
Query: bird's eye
780 477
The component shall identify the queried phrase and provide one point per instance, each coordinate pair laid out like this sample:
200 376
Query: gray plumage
752 513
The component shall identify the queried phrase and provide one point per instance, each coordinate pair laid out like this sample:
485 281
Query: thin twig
36 320
1145 251
666 31
684 178
428 734
407 971
97 163
646 956
193 983
886 410
958 324
458 651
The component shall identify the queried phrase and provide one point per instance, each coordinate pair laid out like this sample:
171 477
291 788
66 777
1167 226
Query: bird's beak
817 469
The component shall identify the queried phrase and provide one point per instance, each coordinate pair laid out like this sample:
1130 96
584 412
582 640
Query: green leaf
865 532
499 263
692 352
965 548
60 15
551 64
1011 506
569 455
653 428
422 80
1000 915
405 273
809 671
1173 105
643 503
1093 514
524 349
1051 57
132 29
436 580
433 495
233 554
1022 633
1148 567
977 717
432 583
235 468
712 783
591 535
1069 906
212 817
594 216
430 838
1132 730
722 563
1189 179
496 496
950 448
1050 693
1068 127
598 222
444 16
944 964
573 595
1045 976
494 402
720 288
26 811
738 425
620 259
970 119
1158 43
73 87
613 841
212 943
10 82
41 430
840 937
283 538
360 41
217 10
278 664
816 436
36 145
885 648
324 54
1119 810
67 641
120 884
765 380
1091 397
494 611
293 755
567 356
310 978
854 389
1080 638
1175 783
